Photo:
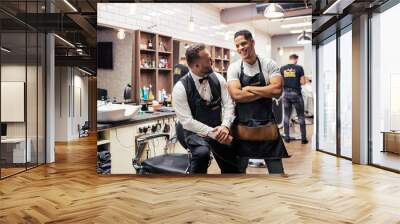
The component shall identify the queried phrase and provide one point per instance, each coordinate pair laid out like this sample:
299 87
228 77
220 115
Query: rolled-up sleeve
273 69
183 113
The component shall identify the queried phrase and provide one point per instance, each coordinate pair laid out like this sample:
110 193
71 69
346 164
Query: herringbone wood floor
319 189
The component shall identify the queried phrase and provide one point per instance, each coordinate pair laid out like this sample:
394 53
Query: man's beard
208 71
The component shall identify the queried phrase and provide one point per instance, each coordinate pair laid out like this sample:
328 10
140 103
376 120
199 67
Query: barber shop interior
189 112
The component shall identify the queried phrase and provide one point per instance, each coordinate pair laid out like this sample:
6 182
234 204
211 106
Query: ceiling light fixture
5 50
191 20
121 34
70 5
294 25
303 38
191 24
84 71
274 11
65 41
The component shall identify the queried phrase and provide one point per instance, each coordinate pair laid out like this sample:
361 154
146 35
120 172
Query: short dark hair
293 56
182 58
192 53
247 35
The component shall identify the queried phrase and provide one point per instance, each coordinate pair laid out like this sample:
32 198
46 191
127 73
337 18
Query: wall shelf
148 50
103 142
221 59
158 57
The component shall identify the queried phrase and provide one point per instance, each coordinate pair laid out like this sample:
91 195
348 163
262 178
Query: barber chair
168 163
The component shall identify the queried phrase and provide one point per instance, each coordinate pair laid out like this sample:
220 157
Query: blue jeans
294 98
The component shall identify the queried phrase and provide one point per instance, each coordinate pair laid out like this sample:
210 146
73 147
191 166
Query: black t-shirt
291 76
179 71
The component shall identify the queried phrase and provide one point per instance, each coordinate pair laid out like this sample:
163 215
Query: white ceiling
274 27
271 27
229 5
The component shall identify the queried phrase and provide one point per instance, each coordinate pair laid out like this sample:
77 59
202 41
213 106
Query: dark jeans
274 166
296 99
223 154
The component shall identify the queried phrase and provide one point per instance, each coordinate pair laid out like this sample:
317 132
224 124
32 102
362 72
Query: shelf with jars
153 66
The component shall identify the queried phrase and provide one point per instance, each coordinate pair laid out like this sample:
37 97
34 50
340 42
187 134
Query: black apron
253 114
209 113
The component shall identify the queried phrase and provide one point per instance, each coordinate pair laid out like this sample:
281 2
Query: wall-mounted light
274 11
280 51
303 38
70 5
5 50
121 34
64 40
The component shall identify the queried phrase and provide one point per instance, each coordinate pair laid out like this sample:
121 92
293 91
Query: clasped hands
222 135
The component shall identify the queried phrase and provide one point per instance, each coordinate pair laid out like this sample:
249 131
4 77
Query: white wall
115 80
172 19
280 41
70 83
16 72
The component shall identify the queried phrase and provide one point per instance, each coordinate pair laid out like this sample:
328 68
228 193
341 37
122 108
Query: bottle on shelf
162 47
151 96
150 44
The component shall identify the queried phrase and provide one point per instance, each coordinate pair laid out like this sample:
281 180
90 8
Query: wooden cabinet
153 62
221 59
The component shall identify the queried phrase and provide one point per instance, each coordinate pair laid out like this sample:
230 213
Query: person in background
180 69
253 82
205 112
293 78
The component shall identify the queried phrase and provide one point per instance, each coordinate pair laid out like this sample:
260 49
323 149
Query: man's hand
247 88
228 140
221 133
240 94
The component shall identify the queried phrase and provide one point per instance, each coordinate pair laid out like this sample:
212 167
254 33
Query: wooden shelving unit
153 64
221 59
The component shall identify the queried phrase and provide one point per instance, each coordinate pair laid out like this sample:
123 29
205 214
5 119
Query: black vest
209 113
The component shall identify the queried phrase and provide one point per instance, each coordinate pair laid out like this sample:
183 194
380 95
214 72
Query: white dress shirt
184 114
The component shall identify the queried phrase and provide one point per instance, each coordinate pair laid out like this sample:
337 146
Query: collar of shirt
196 78
203 88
